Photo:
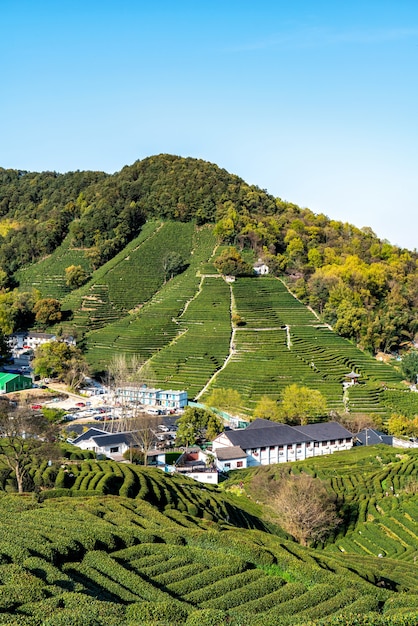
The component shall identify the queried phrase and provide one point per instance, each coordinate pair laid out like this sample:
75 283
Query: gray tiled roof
272 434
89 434
324 431
230 453
370 437
112 439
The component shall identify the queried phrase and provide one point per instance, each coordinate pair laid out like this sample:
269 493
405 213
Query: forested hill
366 288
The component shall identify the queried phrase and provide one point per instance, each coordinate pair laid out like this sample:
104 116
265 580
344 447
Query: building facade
267 443
147 396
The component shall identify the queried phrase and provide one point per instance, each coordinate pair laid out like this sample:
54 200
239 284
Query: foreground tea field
167 551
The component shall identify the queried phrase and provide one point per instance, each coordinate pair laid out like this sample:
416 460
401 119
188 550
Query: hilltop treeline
366 288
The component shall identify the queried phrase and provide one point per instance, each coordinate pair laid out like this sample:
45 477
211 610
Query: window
299 446
263 449
316 444
280 447
290 446
324 444
227 465
272 447
240 464
115 449
333 442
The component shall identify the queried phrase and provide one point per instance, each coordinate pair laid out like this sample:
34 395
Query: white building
260 268
111 445
31 340
266 443
166 399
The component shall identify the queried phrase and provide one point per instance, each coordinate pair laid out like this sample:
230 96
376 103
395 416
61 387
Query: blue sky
315 101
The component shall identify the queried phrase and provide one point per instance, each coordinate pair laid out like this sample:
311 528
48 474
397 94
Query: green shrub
160 613
207 617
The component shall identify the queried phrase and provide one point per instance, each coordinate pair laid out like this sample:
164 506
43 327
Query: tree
75 276
409 366
267 408
301 405
173 263
143 433
57 359
25 437
226 399
197 423
231 263
305 508
400 426
47 311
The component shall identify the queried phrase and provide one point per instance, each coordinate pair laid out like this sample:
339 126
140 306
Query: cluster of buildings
261 443
147 396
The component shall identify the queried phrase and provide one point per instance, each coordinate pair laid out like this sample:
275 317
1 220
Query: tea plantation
123 545
182 329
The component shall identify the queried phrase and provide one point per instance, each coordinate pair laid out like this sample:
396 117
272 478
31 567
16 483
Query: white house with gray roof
111 445
266 443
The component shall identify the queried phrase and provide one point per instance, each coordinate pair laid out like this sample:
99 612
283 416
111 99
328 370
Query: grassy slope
183 328
179 548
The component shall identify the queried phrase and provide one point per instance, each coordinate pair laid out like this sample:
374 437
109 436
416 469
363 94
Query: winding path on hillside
231 347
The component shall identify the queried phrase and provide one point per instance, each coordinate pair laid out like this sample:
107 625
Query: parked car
80 404
36 407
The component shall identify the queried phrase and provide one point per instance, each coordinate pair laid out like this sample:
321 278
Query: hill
124 230
120 544
365 288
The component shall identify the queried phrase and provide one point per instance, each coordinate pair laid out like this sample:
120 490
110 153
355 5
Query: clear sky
313 100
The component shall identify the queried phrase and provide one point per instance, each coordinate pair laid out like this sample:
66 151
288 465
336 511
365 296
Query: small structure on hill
261 268
14 382
352 378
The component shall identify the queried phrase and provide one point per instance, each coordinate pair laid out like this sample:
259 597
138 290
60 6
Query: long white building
265 443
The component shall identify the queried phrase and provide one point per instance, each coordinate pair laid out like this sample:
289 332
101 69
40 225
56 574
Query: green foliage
267 408
231 263
195 424
301 405
47 311
226 399
409 366
58 359
75 276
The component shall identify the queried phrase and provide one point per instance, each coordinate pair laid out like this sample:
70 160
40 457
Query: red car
80 404
36 407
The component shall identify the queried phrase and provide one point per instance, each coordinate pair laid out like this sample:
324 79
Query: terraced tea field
283 342
153 326
161 549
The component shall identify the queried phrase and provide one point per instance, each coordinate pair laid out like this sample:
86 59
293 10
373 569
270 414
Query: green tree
173 263
409 366
53 416
57 359
301 405
47 311
401 426
196 423
75 276
25 438
267 408
225 399
231 263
